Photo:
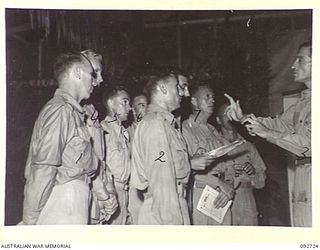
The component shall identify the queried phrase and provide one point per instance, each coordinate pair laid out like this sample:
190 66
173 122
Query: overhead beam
231 18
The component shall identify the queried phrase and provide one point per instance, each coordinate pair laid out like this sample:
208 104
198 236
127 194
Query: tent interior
246 53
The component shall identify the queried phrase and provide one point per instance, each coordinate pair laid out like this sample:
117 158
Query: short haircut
90 53
307 44
110 92
64 62
136 94
194 88
221 109
161 74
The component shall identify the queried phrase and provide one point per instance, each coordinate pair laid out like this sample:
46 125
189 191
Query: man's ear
110 104
163 87
218 120
77 72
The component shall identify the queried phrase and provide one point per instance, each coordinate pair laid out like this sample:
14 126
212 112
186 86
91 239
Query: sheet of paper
218 152
205 204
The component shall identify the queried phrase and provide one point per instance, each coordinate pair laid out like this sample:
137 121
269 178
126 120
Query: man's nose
293 66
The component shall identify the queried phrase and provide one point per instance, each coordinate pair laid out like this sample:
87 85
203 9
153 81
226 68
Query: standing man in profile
291 131
97 215
61 160
139 108
117 103
160 164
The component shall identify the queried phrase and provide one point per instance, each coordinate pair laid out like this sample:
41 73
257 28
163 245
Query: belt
182 189
201 184
85 178
197 184
302 161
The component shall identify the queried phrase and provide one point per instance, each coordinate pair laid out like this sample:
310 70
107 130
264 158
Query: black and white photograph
159 117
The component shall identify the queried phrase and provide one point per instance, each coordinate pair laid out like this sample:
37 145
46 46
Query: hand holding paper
218 152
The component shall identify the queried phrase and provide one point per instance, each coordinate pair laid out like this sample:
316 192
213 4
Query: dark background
226 48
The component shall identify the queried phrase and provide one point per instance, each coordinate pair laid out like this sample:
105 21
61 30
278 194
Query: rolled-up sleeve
284 135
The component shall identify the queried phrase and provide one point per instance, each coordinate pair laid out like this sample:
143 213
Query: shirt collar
113 124
195 122
69 99
154 108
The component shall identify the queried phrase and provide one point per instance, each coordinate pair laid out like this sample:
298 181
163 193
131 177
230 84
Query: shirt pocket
202 146
80 149
181 160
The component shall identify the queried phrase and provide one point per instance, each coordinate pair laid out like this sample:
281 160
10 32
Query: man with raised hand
291 131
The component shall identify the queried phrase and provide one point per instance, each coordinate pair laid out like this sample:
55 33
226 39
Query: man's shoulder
151 122
152 117
56 105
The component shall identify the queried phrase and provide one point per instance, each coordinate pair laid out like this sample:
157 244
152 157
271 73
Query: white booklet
205 204
218 152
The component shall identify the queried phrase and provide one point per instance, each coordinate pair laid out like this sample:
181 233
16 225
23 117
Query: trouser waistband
302 161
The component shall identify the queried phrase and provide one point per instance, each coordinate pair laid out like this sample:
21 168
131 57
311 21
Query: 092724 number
309 246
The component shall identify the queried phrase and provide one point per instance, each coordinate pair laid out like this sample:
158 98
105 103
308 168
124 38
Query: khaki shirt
292 129
246 152
160 164
202 138
117 149
60 151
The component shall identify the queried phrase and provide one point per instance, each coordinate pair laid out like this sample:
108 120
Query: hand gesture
254 128
233 111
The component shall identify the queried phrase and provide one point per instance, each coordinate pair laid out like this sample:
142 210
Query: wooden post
179 52
40 57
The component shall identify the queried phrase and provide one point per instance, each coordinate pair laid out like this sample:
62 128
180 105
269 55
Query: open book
205 204
218 152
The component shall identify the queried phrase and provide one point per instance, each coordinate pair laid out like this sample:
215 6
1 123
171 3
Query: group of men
84 171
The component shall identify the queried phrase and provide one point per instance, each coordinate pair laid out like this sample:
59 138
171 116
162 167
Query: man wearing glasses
61 160
160 164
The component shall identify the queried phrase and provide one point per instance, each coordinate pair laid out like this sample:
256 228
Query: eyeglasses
93 73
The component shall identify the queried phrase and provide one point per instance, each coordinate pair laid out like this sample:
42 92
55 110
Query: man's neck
71 91
230 134
160 102
113 117
200 116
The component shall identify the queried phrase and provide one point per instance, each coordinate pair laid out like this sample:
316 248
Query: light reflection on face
121 105
302 65
139 107
205 100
